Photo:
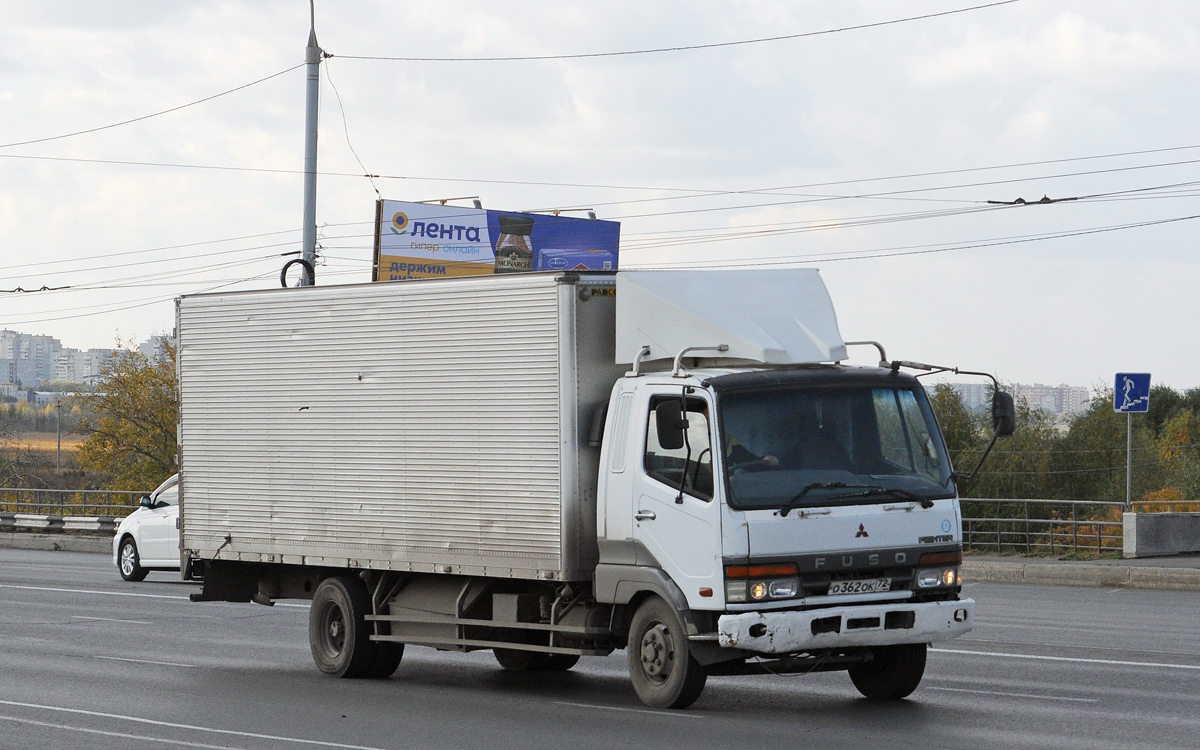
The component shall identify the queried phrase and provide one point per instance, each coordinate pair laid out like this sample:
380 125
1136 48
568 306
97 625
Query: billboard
422 241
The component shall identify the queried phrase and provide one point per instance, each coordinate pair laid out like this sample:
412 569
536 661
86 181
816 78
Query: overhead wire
681 48
152 114
835 256
346 129
697 192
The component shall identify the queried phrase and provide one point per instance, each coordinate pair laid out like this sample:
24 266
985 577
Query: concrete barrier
1158 534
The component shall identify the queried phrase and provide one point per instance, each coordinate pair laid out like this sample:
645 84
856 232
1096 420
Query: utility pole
312 58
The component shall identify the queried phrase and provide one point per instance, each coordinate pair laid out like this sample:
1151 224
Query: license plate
867 586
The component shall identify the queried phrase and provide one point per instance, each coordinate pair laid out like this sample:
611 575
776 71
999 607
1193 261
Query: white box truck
556 465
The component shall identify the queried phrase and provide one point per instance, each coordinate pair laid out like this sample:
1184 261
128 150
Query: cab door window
691 464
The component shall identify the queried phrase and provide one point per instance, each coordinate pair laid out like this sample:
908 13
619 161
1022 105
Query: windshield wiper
867 491
895 491
794 503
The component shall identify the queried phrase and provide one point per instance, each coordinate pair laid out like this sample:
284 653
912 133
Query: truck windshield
845 445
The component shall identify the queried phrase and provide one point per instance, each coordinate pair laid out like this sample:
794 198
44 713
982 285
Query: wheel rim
127 558
657 653
333 629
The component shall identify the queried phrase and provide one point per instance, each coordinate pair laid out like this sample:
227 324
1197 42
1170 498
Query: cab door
676 514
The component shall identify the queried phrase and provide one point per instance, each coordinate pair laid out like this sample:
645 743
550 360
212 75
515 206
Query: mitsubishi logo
862 531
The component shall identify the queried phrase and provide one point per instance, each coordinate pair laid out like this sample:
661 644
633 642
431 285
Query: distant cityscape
27 361
1059 400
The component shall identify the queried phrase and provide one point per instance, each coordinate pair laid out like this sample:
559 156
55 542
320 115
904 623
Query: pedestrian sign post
1131 394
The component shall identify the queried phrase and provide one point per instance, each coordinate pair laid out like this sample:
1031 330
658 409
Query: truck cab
797 510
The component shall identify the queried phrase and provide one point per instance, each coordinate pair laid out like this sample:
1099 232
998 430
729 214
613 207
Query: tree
961 429
1179 452
130 422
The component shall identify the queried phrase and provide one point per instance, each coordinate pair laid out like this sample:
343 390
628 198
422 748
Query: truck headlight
930 577
946 574
756 583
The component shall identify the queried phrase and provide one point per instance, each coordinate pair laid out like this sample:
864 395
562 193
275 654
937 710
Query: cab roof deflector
776 317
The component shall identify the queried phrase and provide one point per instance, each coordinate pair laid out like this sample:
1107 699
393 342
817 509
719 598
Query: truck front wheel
893 673
337 633
661 667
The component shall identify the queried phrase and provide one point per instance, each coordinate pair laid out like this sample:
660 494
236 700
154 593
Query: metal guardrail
1189 505
1041 526
62 503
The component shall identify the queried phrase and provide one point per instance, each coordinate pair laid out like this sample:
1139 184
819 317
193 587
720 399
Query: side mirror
671 422
1004 414
146 502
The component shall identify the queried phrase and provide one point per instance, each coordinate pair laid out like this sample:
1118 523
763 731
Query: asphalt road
89 661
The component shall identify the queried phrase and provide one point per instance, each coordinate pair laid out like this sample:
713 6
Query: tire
337 633
893 674
387 659
661 667
129 563
557 662
516 661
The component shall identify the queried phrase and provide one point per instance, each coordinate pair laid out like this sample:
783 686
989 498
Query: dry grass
43 441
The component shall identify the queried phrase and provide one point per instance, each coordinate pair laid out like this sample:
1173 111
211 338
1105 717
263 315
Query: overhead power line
690 192
682 48
153 114
832 257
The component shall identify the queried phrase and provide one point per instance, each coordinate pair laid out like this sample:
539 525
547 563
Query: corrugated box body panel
408 426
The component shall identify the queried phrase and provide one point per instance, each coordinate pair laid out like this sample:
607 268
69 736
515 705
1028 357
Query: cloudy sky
869 153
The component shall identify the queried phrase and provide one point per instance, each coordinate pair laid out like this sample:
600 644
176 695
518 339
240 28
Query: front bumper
883 624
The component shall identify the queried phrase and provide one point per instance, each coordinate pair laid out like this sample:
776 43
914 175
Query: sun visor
778 317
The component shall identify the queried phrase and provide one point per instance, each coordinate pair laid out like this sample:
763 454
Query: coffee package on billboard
571 259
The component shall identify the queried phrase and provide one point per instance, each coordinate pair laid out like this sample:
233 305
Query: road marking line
87 591
1113 662
1016 695
146 661
123 735
193 727
634 710
111 619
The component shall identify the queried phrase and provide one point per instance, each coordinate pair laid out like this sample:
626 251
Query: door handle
645 515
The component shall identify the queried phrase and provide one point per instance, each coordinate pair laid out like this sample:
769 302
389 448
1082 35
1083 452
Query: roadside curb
56 542
1082 574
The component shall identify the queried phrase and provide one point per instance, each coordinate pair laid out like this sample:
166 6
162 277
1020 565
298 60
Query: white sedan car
148 538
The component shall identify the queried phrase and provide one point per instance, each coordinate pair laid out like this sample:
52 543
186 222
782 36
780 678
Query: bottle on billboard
514 246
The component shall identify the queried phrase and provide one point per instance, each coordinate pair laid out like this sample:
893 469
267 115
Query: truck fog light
949 576
783 588
758 590
735 591
928 578
960 615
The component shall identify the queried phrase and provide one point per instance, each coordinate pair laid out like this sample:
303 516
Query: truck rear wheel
515 660
893 674
663 671
558 662
337 633
387 659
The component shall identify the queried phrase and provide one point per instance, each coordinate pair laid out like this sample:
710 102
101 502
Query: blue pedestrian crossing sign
1132 392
